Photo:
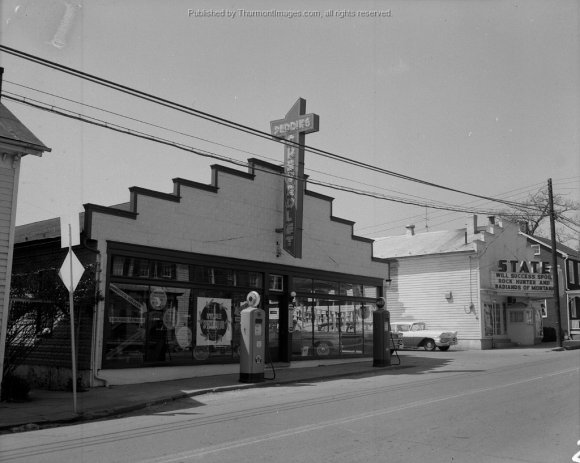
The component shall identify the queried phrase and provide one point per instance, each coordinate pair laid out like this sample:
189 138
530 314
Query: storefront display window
350 289
370 291
302 285
165 325
340 325
147 324
325 287
196 319
331 327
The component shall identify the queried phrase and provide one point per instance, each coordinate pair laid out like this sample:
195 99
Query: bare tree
535 215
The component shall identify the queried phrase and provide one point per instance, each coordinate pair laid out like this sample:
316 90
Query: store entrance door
278 328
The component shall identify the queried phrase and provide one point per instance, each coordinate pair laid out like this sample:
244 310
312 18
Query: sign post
293 129
70 273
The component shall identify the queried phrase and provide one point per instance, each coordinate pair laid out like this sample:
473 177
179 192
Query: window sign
276 283
515 276
213 321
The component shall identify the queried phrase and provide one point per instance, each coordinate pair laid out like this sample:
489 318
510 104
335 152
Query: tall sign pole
555 264
72 322
70 273
293 129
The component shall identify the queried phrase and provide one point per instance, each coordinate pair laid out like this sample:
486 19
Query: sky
478 96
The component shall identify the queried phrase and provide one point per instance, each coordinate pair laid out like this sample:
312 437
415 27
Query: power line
535 185
126 131
188 135
530 189
232 124
130 118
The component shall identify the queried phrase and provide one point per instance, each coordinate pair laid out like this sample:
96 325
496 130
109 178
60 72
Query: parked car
416 334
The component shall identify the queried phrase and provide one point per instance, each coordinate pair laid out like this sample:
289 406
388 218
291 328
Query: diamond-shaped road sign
65 271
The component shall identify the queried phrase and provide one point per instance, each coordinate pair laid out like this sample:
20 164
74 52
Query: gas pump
381 335
253 345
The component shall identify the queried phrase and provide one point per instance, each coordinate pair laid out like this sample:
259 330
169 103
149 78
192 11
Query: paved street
514 405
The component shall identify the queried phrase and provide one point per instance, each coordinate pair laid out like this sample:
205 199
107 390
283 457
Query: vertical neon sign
293 129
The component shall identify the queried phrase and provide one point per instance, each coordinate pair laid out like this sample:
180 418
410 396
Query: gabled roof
560 248
423 244
14 132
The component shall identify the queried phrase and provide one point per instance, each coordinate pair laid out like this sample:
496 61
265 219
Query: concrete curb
122 409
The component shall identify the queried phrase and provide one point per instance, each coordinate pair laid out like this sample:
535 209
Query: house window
571 276
536 248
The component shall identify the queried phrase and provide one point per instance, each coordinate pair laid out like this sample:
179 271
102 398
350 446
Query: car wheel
429 344
444 348
322 348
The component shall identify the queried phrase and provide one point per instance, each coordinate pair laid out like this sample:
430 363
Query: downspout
566 289
95 333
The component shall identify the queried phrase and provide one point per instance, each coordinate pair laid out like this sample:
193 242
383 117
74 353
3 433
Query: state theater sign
293 129
532 278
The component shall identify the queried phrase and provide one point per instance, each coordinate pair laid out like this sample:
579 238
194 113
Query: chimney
471 228
491 224
410 230
524 226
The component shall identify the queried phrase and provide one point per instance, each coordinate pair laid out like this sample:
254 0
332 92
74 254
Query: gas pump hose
269 360
395 348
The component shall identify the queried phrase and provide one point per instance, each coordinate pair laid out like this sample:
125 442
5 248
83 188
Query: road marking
326 424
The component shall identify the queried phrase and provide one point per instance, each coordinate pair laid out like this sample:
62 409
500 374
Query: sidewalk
47 408
56 407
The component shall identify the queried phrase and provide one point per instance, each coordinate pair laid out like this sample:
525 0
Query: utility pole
555 264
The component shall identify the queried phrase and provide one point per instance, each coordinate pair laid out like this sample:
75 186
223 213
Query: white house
487 282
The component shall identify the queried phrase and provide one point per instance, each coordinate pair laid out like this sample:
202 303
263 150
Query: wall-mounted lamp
449 295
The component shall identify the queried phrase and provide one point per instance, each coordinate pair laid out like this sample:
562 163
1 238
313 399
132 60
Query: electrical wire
132 119
231 124
441 215
186 134
534 186
124 130
562 221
